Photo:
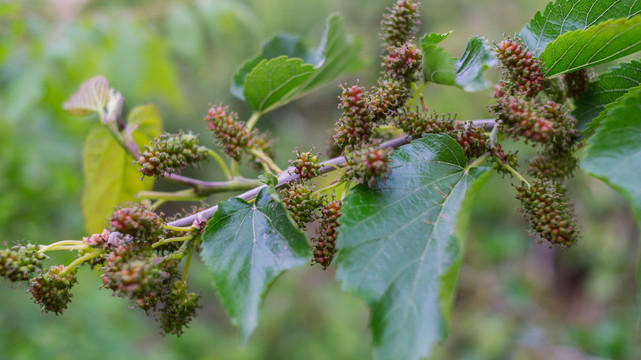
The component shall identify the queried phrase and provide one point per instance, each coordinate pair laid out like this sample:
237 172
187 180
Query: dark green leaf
338 53
246 246
109 173
437 63
470 67
607 88
273 82
597 44
614 151
401 244
562 16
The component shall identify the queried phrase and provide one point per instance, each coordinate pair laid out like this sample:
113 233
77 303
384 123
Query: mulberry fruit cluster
20 262
305 165
400 22
171 153
416 124
576 83
51 290
325 243
473 140
301 202
527 118
367 165
139 221
524 72
231 135
355 126
180 308
401 62
548 212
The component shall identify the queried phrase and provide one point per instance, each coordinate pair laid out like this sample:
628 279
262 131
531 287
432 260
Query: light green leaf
338 53
246 247
476 58
437 63
597 44
562 16
273 82
400 244
614 151
467 72
282 44
109 173
92 96
607 88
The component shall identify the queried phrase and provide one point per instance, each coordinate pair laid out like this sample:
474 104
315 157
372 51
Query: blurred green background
516 299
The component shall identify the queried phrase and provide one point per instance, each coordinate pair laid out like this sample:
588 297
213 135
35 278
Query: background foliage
516 300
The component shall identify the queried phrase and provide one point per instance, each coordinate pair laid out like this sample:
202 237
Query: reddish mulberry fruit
367 165
51 289
400 22
522 69
325 245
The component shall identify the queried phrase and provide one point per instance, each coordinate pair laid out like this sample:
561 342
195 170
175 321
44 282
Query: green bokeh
516 299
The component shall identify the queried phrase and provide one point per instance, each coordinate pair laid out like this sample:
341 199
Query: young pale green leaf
273 82
338 53
109 173
281 44
246 246
607 88
614 151
438 66
562 16
92 96
401 246
597 44
476 58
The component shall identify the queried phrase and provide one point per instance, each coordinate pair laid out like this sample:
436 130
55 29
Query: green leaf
282 44
338 53
109 173
614 151
273 82
437 63
246 246
92 96
562 16
607 88
401 244
597 44
476 58
467 72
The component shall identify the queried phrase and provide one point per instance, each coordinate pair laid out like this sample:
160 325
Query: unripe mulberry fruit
301 203
51 289
576 82
554 163
325 244
171 153
548 212
386 97
401 62
367 165
416 124
19 263
355 126
473 140
527 118
230 134
138 221
305 165
180 307
400 22
523 70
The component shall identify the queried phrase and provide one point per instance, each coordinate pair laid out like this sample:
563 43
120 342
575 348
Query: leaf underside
562 16
92 96
614 151
579 49
401 244
606 89
245 247
110 176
